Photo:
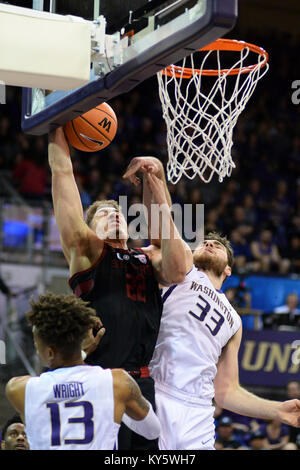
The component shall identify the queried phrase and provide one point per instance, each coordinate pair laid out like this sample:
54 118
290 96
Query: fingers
97 322
132 168
99 335
142 165
154 182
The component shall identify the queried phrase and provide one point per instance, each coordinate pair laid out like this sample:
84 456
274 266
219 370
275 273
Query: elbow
175 277
179 277
220 400
10 387
225 395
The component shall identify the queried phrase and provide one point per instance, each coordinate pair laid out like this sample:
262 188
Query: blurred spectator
239 296
277 434
14 435
292 252
266 252
286 317
291 305
242 252
290 446
225 437
257 440
211 221
249 208
293 390
30 176
84 195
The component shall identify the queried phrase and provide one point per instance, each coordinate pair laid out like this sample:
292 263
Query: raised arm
171 257
132 408
75 235
231 396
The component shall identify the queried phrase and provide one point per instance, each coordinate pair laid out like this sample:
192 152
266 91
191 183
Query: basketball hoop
200 115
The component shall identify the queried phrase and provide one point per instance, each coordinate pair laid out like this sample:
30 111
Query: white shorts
184 426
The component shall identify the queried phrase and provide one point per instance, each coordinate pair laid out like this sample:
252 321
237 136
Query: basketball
94 130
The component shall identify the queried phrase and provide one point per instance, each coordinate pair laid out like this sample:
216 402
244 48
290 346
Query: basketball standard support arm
45 50
121 64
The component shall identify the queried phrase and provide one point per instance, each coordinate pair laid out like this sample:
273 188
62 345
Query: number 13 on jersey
86 420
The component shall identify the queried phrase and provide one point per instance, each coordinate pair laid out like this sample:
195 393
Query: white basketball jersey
197 322
71 408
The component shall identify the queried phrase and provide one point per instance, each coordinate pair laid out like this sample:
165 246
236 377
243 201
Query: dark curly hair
61 321
15 419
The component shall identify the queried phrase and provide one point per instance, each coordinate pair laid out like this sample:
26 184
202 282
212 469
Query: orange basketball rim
221 45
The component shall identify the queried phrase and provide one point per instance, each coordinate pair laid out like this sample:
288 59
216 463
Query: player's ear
227 271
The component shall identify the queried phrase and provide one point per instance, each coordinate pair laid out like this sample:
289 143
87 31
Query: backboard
132 40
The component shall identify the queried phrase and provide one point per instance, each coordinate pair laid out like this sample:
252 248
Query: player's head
106 219
293 389
59 324
14 435
292 300
214 254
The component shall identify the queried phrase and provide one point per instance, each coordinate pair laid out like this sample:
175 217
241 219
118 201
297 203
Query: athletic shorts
185 426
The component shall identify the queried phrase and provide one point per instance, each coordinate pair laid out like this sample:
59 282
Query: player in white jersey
196 355
75 406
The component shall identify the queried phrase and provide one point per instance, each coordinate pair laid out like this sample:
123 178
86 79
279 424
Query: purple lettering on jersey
71 389
55 423
87 420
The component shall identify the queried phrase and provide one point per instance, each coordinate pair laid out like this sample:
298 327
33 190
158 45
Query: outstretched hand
90 342
144 165
289 412
58 137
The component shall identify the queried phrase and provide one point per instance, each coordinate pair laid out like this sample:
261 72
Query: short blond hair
94 207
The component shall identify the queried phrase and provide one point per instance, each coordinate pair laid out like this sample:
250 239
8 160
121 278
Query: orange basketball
94 130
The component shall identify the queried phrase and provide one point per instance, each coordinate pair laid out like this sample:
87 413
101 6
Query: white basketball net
199 123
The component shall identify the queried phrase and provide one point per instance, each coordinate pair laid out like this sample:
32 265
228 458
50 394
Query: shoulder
124 385
17 383
15 391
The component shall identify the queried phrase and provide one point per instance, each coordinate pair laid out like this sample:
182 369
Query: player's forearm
154 228
59 153
241 401
173 249
66 200
148 427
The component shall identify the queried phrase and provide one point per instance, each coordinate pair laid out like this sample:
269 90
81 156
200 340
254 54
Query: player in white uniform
74 405
196 324
196 356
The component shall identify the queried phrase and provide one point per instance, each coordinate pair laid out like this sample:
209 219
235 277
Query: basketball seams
98 120
79 138
105 112
92 125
